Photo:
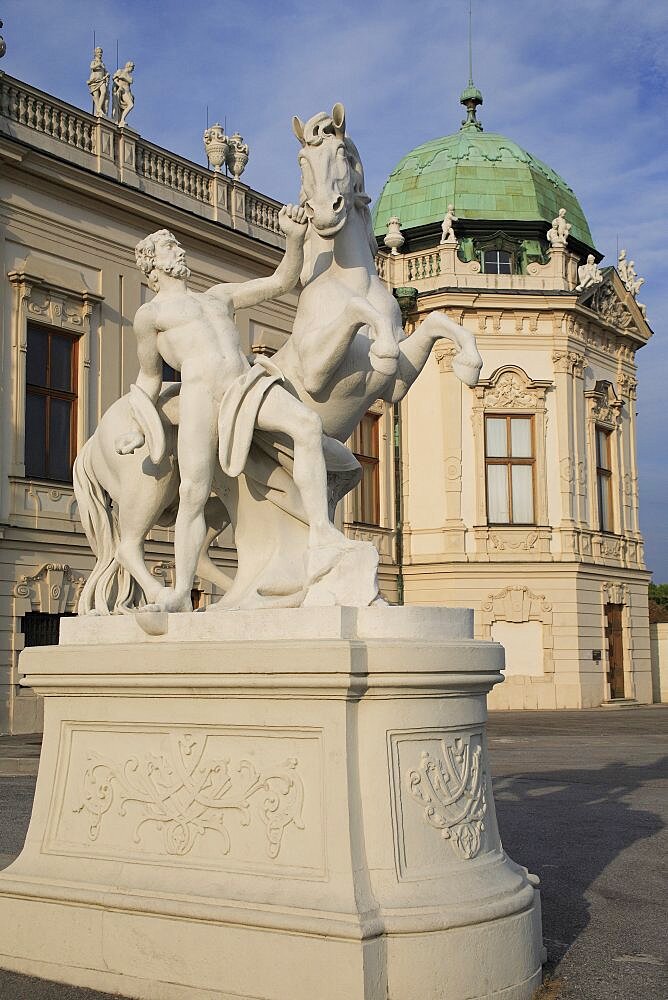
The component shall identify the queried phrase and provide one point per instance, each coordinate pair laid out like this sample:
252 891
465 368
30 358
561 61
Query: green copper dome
484 175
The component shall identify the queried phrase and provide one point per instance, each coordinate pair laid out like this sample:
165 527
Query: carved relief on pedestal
186 792
234 798
450 788
442 807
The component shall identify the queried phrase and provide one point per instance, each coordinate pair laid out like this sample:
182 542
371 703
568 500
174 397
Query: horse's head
332 175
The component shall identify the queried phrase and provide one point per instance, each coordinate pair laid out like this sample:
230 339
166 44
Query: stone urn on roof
216 144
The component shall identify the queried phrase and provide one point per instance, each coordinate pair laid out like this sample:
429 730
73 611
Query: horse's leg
414 351
322 349
134 523
217 519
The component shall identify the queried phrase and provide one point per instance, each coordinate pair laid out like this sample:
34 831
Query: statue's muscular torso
197 336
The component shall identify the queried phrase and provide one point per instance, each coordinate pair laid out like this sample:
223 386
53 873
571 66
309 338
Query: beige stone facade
564 361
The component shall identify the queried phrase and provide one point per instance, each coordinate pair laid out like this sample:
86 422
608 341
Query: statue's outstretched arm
292 220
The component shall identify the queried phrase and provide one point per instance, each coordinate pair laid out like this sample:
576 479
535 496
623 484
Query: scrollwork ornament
185 793
451 790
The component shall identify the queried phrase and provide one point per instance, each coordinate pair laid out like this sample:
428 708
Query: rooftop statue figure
98 84
588 274
558 234
447 230
123 99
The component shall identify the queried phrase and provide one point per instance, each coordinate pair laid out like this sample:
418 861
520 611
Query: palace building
518 498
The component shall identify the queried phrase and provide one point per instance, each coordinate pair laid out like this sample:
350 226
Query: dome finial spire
471 97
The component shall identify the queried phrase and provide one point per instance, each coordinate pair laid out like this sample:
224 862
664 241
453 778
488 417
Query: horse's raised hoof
467 369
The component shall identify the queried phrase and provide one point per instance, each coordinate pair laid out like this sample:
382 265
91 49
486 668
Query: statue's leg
197 454
281 412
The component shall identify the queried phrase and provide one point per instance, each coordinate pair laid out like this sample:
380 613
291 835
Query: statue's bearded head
161 252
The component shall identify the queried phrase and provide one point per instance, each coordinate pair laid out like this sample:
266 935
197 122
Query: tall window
50 429
604 480
497 262
509 466
366 497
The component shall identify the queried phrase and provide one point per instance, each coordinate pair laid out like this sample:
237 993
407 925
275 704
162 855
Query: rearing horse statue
348 347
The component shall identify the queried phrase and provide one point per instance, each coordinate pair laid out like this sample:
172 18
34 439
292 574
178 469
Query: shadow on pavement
568 826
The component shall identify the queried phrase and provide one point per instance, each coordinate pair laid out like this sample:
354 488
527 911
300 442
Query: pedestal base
271 806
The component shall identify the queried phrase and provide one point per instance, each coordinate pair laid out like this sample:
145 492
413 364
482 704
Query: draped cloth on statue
238 414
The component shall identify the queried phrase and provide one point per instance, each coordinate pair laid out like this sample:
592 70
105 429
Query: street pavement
581 801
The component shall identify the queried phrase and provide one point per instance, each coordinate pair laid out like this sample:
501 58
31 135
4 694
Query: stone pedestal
271 805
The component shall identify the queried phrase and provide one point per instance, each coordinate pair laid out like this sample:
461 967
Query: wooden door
614 637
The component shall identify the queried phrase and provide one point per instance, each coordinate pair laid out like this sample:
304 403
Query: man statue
558 234
222 398
123 99
588 274
447 230
98 84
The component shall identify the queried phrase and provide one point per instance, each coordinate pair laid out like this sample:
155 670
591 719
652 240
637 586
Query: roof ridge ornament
471 97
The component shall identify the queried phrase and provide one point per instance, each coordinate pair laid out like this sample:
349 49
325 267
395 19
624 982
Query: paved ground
581 800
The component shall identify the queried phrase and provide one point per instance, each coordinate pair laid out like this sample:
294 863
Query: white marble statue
627 272
246 437
123 99
588 274
98 84
558 234
447 229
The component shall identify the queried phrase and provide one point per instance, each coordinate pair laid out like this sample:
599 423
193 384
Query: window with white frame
510 469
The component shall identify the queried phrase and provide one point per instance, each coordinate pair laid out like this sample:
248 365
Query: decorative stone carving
237 155
615 592
611 547
558 234
216 144
122 97
451 789
523 543
605 407
628 385
572 472
588 274
3 44
517 604
98 84
509 392
53 589
394 239
447 229
606 302
570 362
186 793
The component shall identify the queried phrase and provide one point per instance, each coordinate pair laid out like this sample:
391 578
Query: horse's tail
101 527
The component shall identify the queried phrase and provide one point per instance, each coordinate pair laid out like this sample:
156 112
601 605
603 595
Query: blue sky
583 86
